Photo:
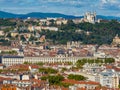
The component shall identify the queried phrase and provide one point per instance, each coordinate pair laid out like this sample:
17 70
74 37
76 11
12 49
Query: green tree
66 84
55 79
48 70
39 63
109 60
27 63
76 77
119 86
44 78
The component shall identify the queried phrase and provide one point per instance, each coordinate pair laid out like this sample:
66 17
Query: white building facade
109 78
11 60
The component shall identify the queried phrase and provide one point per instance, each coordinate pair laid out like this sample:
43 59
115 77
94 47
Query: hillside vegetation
98 33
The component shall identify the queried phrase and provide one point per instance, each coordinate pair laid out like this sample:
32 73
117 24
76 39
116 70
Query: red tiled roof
2 78
80 82
63 88
1 65
23 66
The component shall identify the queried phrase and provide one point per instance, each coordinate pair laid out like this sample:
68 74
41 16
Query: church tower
90 17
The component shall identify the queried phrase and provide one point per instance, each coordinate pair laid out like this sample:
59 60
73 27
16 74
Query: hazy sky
71 7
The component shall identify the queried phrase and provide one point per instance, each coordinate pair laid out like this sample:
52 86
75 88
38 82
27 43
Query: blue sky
70 7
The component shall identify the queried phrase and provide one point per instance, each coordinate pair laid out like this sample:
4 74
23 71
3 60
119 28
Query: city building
73 44
14 33
31 28
2 33
81 85
61 21
109 78
116 41
9 87
12 60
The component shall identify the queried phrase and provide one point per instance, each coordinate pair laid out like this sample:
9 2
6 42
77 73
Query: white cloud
109 1
104 1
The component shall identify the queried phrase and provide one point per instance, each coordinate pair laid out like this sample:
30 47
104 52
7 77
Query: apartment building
109 78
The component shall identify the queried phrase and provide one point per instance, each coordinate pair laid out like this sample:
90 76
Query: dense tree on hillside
5 42
100 33
7 22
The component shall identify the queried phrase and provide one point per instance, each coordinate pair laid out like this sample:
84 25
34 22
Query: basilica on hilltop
90 17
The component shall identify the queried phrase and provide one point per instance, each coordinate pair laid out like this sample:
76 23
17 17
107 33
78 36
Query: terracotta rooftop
80 82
